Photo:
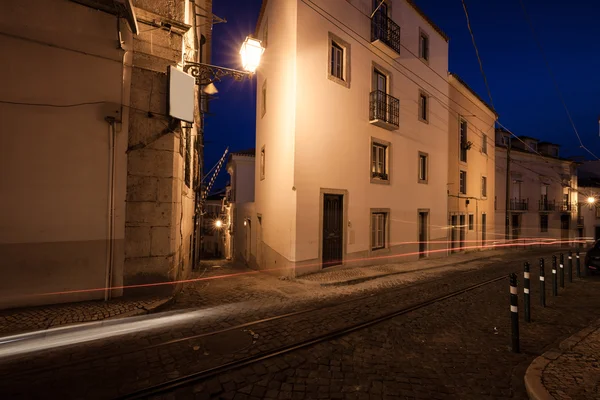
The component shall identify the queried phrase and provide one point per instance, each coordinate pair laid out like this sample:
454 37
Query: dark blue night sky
522 89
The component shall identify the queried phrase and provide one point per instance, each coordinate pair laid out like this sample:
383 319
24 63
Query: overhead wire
553 78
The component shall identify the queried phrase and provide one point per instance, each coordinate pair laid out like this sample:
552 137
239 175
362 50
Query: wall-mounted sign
181 95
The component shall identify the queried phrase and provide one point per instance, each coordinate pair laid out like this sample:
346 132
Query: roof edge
428 20
466 86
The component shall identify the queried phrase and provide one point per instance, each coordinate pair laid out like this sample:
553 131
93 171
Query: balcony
384 110
385 34
519 204
547 205
580 222
566 206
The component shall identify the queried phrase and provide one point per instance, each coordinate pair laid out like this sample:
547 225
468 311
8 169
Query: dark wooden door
516 226
564 229
463 231
483 229
454 238
333 229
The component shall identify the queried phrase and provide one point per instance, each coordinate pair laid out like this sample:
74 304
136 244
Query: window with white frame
423 106
463 182
379 161
484 186
338 66
379 222
423 167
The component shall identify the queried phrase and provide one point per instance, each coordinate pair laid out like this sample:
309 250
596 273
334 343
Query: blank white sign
181 95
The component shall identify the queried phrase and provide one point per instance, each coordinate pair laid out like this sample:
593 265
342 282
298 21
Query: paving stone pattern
135 370
576 373
45 317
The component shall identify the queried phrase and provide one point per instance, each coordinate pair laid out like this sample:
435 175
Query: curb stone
533 376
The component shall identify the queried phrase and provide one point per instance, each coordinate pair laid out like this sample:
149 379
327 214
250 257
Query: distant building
98 185
471 168
352 150
239 209
588 221
542 190
214 226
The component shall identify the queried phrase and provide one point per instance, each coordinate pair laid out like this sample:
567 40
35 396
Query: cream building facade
543 190
471 169
352 135
98 189
588 221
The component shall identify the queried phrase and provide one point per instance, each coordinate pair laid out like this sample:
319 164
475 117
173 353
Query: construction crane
216 169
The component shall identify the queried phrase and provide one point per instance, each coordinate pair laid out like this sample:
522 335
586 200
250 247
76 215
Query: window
544 194
532 146
338 65
423 46
262 163
265 38
379 161
463 140
378 230
471 221
505 140
555 152
263 103
337 61
543 222
423 107
484 143
597 211
463 182
423 167
484 186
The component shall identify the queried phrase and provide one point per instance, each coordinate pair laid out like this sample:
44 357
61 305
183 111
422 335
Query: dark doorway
423 216
483 229
463 231
516 226
597 235
565 220
333 229
454 238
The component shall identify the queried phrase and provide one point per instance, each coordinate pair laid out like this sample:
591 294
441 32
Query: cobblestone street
457 348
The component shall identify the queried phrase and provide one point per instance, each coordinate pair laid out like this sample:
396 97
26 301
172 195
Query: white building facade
542 190
352 135
471 175
239 209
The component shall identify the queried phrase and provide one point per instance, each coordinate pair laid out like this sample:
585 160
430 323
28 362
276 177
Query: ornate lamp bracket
206 73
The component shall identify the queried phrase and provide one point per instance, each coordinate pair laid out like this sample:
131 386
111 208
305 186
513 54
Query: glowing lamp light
218 223
591 200
251 52
245 222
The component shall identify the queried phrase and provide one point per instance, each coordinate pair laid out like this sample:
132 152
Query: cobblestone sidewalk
570 372
45 317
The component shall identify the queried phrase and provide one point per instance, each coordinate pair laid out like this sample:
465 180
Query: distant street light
218 223
591 200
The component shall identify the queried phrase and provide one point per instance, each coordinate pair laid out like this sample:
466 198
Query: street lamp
218 223
591 200
205 74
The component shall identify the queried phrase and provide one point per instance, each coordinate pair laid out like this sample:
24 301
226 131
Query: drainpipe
111 207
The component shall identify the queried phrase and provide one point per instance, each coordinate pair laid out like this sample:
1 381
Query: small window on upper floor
423 167
338 68
380 162
505 140
484 143
423 107
463 182
483 186
263 102
262 163
423 46
463 140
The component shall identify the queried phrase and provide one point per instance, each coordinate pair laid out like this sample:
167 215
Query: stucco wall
333 133
54 219
275 194
480 121
533 170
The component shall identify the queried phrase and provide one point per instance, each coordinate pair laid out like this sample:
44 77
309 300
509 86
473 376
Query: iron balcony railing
385 29
547 205
384 107
566 206
519 204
